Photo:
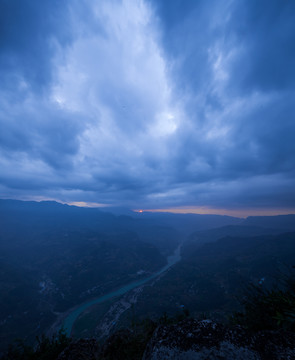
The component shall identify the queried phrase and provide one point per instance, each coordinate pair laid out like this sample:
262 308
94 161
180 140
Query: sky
149 104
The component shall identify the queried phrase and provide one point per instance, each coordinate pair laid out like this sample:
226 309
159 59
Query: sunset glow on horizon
242 213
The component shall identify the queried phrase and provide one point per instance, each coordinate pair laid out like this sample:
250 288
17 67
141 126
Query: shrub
47 348
268 309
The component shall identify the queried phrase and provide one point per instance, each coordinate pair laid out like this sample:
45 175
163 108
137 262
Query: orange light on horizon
242 213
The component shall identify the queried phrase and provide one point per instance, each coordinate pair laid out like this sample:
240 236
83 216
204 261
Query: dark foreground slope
188 339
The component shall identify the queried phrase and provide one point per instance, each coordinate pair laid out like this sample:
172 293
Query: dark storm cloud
28 32
31 32
148 103
265 30
41 132
235 60
261 33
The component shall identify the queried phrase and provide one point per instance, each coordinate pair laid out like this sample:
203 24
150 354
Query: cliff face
189 340
206 340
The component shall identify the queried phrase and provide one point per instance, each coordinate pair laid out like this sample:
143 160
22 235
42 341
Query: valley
94 272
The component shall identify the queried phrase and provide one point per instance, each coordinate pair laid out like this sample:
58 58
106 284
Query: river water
73 315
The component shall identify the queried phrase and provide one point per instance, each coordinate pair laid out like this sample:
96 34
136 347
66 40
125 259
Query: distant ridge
285 222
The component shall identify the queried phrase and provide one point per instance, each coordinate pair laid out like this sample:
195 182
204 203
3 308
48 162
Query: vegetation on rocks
268 309
47 348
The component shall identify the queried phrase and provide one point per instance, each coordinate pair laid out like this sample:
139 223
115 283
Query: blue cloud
148 102
28 31
265 31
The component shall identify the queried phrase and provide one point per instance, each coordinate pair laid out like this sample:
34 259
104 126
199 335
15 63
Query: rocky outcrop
206 340
187 340
82 349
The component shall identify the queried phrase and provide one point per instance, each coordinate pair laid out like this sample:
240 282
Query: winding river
74 314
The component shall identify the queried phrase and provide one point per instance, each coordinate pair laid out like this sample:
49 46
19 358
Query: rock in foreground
206 340
187 340
87 349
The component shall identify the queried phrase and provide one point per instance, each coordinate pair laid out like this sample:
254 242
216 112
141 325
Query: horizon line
198 210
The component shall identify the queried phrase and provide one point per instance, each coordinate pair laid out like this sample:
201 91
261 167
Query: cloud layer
149 103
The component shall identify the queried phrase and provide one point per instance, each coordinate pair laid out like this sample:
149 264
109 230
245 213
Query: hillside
209 280
55 256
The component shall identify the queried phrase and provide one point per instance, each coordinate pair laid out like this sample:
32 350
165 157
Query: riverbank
68 318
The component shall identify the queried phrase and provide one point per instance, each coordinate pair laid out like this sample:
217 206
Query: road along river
74 314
